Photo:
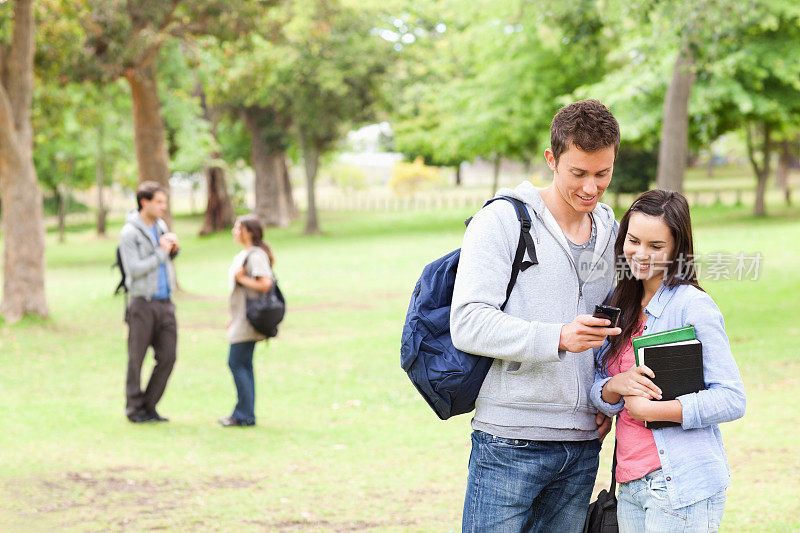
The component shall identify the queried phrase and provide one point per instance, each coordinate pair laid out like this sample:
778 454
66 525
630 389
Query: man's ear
550 158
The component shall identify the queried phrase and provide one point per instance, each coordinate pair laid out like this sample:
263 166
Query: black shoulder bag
266 311
602 514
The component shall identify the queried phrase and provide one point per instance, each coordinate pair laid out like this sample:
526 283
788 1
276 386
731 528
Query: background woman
249 274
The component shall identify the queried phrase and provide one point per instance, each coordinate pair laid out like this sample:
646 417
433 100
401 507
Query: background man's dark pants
151 323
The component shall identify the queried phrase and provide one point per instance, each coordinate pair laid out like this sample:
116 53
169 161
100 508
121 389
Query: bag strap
525 243
614 470
246 257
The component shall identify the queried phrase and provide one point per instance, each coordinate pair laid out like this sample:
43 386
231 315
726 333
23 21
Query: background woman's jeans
240 361
523 485
643 506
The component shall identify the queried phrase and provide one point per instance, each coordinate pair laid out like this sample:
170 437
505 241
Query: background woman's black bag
266 311
602 514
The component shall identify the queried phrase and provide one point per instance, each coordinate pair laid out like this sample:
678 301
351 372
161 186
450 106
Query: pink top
637 454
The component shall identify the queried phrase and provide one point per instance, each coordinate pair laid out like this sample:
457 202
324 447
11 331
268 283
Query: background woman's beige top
258 266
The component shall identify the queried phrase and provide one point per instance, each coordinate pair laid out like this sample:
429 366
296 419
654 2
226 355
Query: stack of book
676 359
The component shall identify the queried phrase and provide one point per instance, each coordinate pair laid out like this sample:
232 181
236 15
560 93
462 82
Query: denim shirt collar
660 300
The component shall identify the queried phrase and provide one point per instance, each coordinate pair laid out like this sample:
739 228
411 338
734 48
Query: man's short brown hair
146 191
586 124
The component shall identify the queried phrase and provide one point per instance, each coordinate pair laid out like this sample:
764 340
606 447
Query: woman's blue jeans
643 505
240 361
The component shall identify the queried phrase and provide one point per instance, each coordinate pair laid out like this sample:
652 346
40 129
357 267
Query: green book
683 334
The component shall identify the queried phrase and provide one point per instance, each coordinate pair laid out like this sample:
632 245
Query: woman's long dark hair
673 209
256 231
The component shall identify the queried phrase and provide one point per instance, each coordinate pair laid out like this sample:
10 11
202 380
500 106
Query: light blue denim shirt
692 455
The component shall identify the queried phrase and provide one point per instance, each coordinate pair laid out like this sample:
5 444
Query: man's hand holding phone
585 332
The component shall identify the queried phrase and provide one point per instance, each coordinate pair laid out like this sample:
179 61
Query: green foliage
50 205
75 127
348 177
506 73
634 169
191 142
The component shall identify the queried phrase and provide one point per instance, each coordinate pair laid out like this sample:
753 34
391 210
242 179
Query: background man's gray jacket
141 257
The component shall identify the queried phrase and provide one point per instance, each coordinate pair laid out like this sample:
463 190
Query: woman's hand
639 408
635 382
646 410
240 275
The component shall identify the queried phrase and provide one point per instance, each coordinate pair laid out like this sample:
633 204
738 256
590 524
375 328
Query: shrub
408 178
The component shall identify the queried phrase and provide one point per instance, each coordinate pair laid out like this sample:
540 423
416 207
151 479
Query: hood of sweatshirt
133 217
529 194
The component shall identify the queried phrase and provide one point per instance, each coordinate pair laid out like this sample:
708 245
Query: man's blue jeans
522 485
240 361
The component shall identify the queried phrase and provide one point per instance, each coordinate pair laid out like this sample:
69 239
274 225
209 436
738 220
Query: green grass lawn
343 441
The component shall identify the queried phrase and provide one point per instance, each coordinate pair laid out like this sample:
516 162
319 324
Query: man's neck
566 216
147 218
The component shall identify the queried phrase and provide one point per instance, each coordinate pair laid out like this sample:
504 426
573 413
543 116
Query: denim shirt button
645 328
661 452
669 478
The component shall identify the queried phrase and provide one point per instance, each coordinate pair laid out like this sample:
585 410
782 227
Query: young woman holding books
671 478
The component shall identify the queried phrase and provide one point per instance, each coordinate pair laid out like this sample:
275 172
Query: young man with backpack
146 250
535 440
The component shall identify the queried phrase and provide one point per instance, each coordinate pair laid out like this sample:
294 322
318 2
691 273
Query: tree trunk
100 180
761 170
287 189
311 161
149 134
496 174
219 210
23 228
61 204
673 149
782 174
458 175
269 165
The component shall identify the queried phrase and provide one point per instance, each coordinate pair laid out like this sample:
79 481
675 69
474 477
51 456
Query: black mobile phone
609 312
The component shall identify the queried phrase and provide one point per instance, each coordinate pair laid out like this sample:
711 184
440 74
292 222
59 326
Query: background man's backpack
448 378
266 311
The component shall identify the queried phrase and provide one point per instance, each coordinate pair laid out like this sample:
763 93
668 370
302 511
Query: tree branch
151 52
750 148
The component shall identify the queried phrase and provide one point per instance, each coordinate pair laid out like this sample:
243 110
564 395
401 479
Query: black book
678 369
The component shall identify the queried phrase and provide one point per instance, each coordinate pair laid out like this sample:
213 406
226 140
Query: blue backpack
448 378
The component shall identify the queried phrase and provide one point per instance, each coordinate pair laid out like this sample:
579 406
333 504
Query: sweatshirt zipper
578 400
580 296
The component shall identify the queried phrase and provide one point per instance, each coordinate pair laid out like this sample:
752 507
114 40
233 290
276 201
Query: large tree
23 230
312 71
125 37
757 87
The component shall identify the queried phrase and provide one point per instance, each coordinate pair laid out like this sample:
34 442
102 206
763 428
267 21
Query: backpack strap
525 243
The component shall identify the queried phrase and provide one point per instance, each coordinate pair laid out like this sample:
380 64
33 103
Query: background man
147 249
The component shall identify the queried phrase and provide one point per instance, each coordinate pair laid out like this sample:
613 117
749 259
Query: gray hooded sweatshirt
531 384
141 257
